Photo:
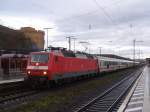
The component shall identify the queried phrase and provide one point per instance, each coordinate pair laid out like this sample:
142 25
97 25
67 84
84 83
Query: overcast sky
110 24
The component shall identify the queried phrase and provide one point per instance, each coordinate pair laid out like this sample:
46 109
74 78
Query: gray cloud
84 19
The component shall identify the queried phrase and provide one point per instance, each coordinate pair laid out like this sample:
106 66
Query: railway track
10 87
17 95
13 93
8 102
111 99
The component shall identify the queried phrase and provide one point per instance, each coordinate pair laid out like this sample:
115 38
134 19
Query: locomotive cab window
43 58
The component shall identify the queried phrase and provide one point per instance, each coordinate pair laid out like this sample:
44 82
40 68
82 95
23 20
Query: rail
107 101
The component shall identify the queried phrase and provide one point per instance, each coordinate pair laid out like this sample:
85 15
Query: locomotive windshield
43 58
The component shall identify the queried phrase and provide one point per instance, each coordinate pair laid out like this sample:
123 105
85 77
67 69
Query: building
26 39
15 45
11 39
36 37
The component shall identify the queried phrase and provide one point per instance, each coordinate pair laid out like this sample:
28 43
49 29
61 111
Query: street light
47 34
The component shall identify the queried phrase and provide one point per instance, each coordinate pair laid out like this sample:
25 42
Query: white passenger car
111 64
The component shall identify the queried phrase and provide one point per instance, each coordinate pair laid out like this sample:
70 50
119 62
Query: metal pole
134 43
139 54
134 51
47 34
140 49
74 43
69 41
47 38
100 50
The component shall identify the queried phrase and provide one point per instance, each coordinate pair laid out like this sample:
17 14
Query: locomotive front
38 65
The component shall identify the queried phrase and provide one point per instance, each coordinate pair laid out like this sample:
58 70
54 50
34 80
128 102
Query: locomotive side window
39 58
56 58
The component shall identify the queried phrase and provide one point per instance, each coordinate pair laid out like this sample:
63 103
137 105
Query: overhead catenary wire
104 12
109 17
71 18
100 8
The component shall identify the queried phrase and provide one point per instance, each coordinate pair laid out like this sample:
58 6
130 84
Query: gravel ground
67 97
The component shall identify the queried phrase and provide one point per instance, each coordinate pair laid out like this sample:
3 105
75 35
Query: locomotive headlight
37 64
44 72
29 72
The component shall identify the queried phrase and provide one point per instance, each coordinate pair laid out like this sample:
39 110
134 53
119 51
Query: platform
138 99
11 78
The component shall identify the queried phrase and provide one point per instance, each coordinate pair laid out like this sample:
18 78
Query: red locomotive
58 63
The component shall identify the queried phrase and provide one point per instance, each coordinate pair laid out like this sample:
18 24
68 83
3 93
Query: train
148 61
58 63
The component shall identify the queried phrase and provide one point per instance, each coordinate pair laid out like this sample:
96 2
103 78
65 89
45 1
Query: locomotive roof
69 53
78 54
